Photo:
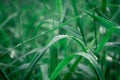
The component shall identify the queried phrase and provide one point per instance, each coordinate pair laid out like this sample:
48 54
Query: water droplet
80 16
102 30
42 33
12 55
109 58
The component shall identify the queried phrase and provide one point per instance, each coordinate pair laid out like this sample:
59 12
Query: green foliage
59 40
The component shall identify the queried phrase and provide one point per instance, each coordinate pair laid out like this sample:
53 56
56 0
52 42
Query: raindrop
102 30
12 55
42 33
109 58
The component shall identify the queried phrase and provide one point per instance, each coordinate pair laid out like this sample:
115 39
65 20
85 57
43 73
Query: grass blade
42 34
78 20
106 23
65 61
72 32
37 57
59 5
94 25
106 38
104 5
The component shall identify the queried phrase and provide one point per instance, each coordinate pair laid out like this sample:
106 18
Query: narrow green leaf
73 32
54 58
38 49
94 25
59 5
37 57
104 5
106 23
78 20
65 61
106 38
42 34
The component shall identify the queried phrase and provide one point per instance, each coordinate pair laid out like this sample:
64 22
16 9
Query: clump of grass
59 40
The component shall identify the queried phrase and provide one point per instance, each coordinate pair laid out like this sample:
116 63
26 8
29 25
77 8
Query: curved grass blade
42 34
65 61
37 57
106 38
38 50
80 43
106 23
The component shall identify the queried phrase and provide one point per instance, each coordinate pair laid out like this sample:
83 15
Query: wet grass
59 40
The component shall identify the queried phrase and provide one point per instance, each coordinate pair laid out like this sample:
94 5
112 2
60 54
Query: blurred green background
25 30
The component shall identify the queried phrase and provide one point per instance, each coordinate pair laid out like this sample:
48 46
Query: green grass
59 40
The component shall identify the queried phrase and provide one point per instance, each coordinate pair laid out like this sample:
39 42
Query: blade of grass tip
3 74
78 20
66 61
8 19
106 23
37 57
104 5
106 38
42 34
